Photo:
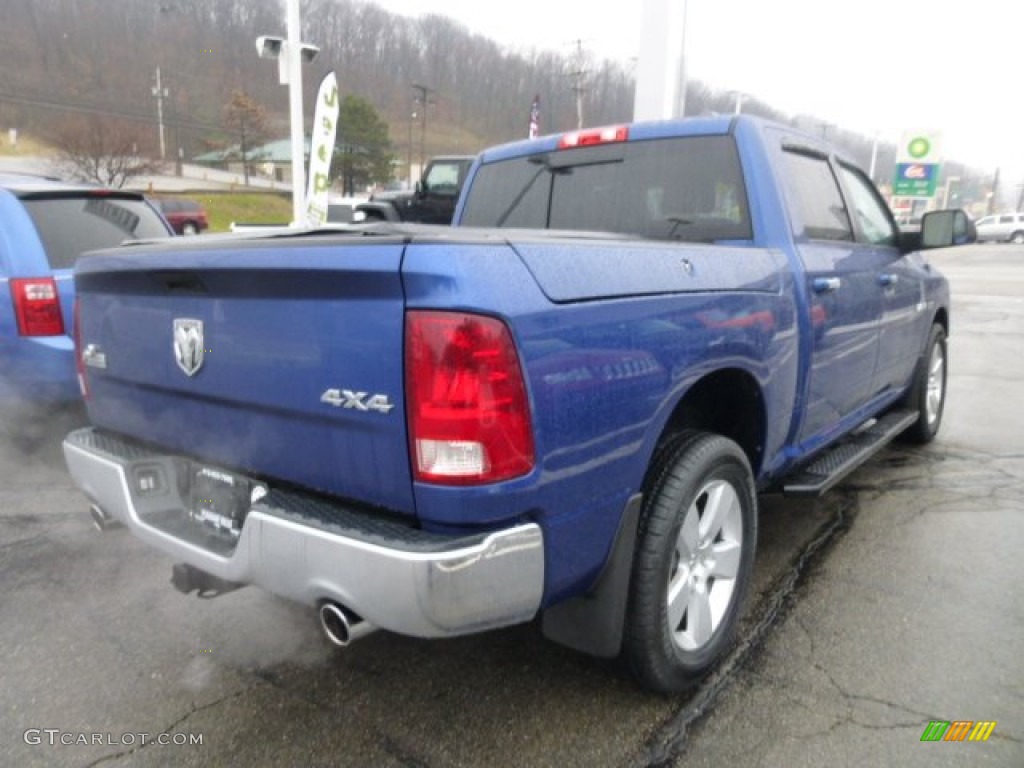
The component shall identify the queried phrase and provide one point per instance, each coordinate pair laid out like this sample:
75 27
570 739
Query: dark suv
45 225
186 217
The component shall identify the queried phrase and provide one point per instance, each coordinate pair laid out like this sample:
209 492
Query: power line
88 109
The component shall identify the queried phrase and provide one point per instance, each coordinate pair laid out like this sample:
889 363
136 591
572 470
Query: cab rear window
688 188
69 226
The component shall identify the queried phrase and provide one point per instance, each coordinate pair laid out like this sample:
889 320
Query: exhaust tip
101 520
336 624
341 625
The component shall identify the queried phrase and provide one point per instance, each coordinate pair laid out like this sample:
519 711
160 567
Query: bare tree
246 120
102 150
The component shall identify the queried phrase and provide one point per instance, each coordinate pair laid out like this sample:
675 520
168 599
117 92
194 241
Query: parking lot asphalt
889 603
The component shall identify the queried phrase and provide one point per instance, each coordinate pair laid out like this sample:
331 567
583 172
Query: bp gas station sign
917 165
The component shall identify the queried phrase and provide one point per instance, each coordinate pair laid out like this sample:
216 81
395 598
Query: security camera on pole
290 54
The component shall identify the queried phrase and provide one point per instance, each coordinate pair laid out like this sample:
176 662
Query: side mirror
421 188
941 229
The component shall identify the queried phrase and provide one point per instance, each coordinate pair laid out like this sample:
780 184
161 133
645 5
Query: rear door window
818 198
68 226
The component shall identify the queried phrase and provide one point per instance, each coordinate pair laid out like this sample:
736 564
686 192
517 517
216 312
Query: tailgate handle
181 282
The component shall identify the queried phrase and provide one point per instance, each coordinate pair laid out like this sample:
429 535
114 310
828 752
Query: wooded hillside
66 57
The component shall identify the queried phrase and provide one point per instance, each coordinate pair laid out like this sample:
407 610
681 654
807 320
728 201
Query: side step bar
848 454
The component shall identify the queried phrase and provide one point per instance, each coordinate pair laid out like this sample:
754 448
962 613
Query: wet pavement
890 602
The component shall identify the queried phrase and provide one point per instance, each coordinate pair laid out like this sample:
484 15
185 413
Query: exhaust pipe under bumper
101 520
341 625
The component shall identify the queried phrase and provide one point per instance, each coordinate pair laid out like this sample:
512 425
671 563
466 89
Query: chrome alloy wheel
706 563
936 383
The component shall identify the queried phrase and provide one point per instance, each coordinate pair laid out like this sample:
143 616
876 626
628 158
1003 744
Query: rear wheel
693 562
1017 237
189 229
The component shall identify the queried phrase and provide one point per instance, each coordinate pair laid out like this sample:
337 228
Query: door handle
889 280
826 284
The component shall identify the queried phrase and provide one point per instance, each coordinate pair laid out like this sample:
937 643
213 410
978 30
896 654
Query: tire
693 562
1017 238
189 229
927 393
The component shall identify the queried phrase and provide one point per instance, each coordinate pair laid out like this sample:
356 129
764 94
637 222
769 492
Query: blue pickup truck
562 408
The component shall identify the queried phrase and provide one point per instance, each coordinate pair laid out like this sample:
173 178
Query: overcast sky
885 66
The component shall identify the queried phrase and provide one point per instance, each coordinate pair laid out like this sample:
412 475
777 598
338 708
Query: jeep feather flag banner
325 127
535 117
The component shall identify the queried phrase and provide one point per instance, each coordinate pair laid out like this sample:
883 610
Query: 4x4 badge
188 344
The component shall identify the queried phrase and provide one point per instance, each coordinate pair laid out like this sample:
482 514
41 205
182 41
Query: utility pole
160 92
874 157
577 87
423 92
412 117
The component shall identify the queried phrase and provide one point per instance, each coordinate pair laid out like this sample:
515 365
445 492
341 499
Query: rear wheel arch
727 402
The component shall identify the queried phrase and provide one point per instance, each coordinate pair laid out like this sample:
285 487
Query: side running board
845 456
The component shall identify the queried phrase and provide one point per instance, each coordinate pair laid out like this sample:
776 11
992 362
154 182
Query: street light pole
160 92
948 191
294 53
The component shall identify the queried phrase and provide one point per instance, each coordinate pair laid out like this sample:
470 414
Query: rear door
843 295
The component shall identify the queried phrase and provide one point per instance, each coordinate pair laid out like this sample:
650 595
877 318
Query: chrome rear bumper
393 575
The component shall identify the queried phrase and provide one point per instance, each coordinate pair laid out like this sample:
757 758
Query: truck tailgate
276 358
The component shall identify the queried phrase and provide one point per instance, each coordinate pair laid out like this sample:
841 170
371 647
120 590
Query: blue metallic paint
610 345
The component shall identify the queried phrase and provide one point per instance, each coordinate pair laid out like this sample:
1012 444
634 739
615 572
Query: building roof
278 152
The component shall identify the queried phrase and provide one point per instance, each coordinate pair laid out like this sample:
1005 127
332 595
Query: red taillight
37 306
469 419
76 331
589 138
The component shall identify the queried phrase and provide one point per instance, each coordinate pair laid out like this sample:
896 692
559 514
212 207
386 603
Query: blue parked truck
562 408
